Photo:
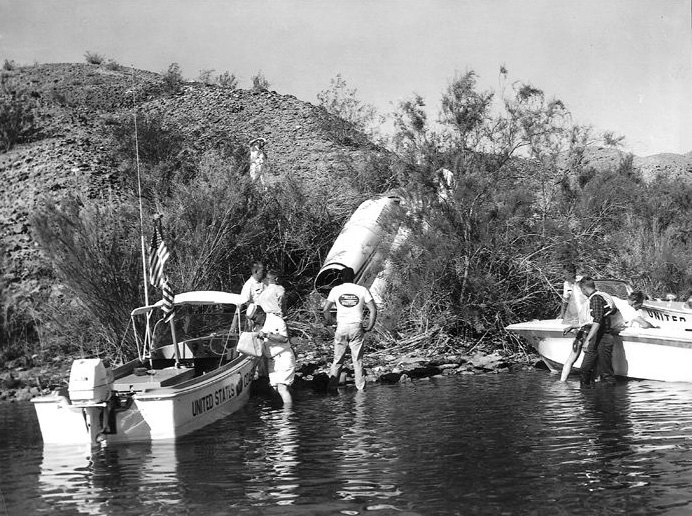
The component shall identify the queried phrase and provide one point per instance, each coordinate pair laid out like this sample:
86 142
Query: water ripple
514 443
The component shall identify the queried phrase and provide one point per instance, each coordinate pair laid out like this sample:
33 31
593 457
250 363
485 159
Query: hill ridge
69 152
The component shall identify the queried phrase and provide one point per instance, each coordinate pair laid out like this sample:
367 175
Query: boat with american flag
186 375
191 376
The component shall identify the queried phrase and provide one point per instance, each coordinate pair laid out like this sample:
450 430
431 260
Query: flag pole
165 289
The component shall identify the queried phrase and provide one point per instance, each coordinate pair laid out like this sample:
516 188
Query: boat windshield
614 287
193 322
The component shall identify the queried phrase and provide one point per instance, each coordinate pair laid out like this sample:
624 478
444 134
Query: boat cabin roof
199 297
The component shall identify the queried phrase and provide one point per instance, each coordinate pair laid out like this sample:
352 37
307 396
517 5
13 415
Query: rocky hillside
74 102
678 166
69 150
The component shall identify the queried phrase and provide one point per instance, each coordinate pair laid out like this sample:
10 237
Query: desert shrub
481 253
227 80
113 65
205 76
297 227
161 149
16 116
18 326
259 82
156 142
93 58
173 79
343 131
94 247
523 201
208 225
351 118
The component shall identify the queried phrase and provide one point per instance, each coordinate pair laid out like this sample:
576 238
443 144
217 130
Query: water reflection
92 480
361 464
275 468
521 444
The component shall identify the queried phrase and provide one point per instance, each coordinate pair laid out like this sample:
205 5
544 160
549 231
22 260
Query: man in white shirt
350 300
572 298
635 316
250 294
273 298
252 288
277 348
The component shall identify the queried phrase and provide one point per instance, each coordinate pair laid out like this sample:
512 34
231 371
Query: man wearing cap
350 300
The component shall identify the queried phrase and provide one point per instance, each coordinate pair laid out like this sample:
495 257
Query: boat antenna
148 336
139 195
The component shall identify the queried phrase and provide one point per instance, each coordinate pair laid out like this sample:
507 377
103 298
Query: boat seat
153 378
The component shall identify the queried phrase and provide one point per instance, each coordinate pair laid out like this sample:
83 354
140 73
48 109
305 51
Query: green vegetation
484 252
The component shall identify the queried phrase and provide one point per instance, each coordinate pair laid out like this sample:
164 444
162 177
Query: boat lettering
223 394
662 316
202 404
247 377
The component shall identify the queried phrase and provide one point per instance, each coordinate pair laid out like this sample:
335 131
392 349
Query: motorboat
187 375
662 353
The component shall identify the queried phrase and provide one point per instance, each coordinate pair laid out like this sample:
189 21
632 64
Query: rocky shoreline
23 382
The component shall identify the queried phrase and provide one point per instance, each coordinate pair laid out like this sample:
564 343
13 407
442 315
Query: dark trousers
599 355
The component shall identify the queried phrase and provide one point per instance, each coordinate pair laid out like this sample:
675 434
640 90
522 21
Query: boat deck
154 378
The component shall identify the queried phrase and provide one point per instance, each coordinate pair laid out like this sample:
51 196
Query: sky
618 65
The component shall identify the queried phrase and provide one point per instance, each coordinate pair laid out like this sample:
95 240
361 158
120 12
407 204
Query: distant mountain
666 164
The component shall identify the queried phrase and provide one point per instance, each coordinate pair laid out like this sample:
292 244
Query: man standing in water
250 294
350 299
598 347
252 288
282 361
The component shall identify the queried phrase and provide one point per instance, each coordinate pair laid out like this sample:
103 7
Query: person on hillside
257 162
281 364
350 300
572 298
636 318
598 343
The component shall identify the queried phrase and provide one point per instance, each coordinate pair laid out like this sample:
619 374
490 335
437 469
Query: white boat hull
663 354
153 414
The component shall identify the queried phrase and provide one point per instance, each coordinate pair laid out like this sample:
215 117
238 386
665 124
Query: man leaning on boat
598 344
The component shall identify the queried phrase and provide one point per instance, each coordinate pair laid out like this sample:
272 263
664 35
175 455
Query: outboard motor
91 381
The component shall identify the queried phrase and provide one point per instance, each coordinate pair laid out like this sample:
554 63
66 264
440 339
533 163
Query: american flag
158 255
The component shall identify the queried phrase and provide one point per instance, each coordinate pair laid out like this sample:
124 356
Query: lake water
511 443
